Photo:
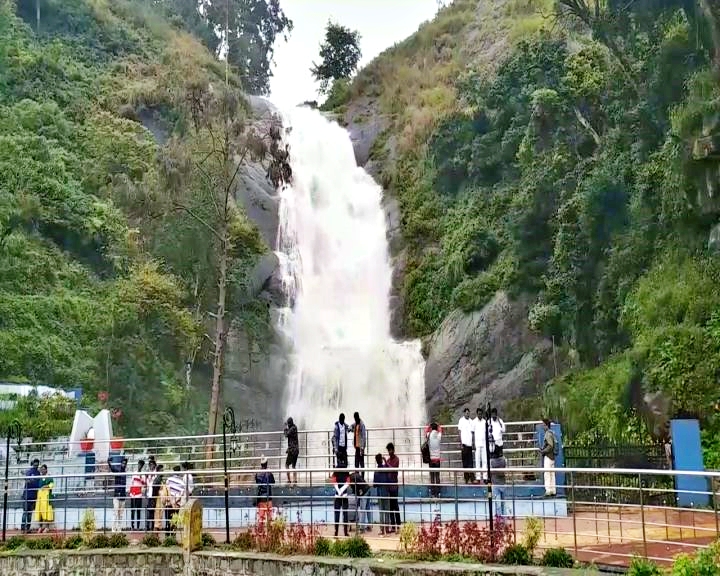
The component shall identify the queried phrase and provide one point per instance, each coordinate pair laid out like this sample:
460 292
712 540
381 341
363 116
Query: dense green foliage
568 174
98 281
339 53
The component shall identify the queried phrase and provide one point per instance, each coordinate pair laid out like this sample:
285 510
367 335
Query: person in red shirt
393 463
137 489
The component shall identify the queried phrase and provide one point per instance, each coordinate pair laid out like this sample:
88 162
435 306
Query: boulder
489 355
364 123
714 240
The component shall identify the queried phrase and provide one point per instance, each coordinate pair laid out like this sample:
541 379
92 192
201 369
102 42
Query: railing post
404 505
312 504
574 511
457 514
642 516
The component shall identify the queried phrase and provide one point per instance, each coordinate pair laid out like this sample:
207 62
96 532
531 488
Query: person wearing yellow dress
44 515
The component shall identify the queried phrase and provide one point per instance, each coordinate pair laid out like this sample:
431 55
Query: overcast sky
381 24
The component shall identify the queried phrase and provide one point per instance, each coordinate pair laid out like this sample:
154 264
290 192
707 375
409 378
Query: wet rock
489 355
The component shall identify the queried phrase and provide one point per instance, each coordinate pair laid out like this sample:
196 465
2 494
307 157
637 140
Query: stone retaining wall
169 562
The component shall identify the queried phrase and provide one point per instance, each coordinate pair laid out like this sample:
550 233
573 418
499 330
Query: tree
252 28
202 175
340 55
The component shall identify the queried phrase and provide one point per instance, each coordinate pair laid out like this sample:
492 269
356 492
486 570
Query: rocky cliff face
254 378
490 355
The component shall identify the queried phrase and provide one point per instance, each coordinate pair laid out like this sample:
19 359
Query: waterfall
336 276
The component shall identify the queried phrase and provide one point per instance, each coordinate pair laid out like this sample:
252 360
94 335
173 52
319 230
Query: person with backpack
431 456
341 487
549 453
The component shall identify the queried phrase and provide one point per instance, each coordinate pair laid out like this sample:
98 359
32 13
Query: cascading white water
336 271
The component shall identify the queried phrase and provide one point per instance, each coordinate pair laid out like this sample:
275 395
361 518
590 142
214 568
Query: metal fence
603 524
246 448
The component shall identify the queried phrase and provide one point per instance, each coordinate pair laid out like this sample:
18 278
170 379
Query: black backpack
425 451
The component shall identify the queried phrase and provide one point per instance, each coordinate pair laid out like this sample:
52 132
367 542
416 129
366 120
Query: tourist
119 492
175 494
497 428
264 481
163 500
138 484
154 483
44 514
341 485
340 442
360 489
481 433
293 451
393 463
549 452
188 482
465 430
498 483
380 481
32 484
359 440
433 435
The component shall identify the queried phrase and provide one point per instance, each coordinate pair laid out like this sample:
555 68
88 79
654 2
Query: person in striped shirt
176 492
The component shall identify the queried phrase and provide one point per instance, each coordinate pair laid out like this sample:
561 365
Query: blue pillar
560 458
687 455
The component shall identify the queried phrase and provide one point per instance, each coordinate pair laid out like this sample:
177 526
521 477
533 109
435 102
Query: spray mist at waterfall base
336 275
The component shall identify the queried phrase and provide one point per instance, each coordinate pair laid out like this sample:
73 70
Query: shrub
557 558
323 547
339 548
357 547
643 567
14 542
705 563
87 525
533 533
40 544
270 536
516 555
170 541
451 539
244 541
73 542
98 541
118 540
408 536
208 541
151 541
299 539
428 544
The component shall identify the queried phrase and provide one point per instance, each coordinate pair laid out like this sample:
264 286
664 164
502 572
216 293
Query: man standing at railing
32 485
393 463
293 450
549 452
497 427
465 429
176 491
264 481
359 437
119 492
480 427
340 442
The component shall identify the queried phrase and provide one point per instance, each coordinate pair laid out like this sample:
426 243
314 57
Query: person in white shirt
480 424
497 427
465 430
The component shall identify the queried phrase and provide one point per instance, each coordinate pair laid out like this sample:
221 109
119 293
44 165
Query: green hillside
104 280
549 149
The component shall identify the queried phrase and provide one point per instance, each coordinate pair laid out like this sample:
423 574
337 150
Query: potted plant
117 443
86 444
